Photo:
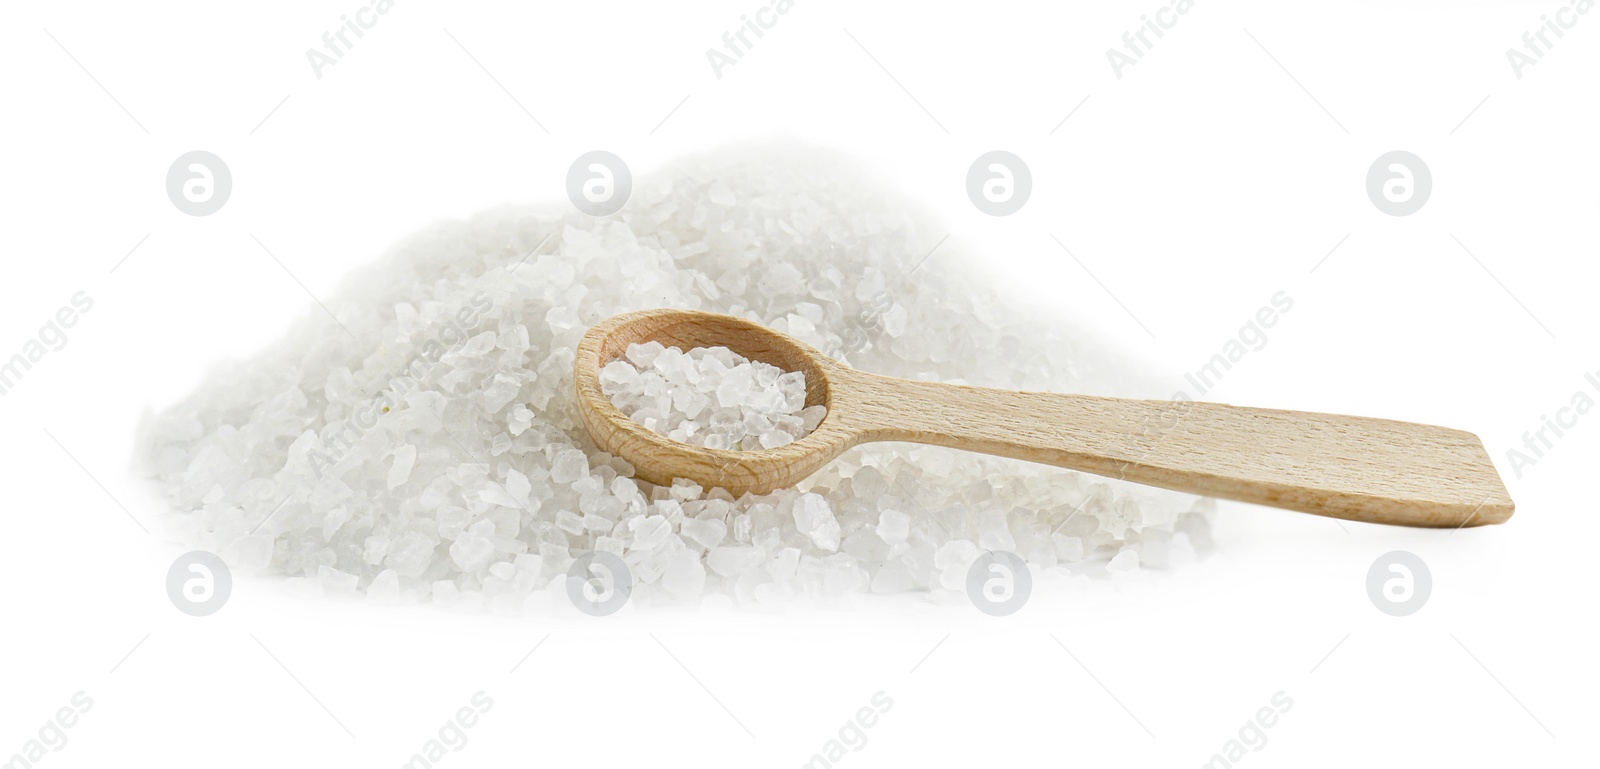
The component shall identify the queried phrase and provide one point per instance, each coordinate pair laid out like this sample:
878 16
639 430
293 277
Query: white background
1227 165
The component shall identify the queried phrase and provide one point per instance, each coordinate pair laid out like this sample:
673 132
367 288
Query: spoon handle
1356 468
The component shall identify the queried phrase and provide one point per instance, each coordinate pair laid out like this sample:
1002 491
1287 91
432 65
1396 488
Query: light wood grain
1356 468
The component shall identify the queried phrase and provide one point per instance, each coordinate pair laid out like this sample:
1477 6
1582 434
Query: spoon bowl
659 459
1355 468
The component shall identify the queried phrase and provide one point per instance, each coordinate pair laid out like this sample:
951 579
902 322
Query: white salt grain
814 518
1125 561
385 587
894 526
569 467
705 533
333 579
649 532
250 553
404 457
685 575
473 549
785 565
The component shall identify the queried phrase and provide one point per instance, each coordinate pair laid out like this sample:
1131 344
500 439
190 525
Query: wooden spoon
1356 468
